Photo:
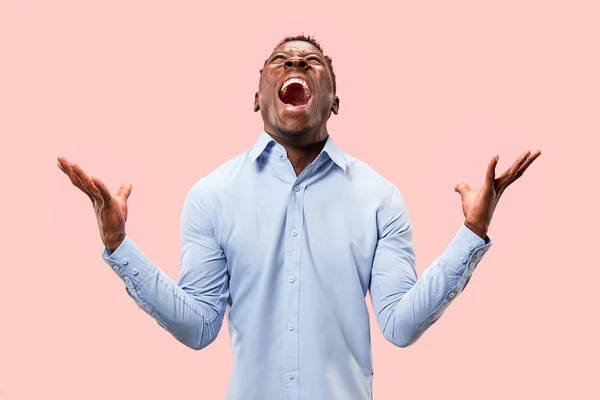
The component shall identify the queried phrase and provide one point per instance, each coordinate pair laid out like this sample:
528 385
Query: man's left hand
479 205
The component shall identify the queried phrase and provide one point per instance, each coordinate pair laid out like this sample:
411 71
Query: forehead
297 47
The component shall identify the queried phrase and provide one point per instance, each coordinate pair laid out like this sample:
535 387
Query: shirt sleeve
191 310
406 306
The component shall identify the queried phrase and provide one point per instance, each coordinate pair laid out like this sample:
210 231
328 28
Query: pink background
160 93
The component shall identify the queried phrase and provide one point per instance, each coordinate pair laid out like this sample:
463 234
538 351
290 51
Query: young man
290 235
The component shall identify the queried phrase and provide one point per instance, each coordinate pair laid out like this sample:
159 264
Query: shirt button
126 279
294 232
464 260
471 248
290 327
472 265
125 261
134 271
292 279
291 376
451 295
479 253
297 188
116 268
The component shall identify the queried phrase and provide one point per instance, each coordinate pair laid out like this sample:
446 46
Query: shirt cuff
132 266
465 251
128 261
459 260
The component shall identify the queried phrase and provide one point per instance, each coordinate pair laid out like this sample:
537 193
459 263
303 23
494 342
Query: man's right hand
111 211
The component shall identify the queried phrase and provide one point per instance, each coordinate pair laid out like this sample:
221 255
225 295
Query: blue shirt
289 260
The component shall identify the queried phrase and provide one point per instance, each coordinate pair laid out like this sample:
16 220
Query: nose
297 62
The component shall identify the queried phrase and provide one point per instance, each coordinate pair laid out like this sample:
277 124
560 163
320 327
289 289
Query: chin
292 133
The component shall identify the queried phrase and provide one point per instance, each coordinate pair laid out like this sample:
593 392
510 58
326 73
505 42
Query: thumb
125 190
462 189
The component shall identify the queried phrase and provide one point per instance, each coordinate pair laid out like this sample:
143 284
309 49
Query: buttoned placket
292 274
293 246
294 233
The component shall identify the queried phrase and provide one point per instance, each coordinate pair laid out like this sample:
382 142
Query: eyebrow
312 53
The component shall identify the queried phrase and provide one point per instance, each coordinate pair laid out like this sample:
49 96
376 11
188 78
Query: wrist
477 229
113 243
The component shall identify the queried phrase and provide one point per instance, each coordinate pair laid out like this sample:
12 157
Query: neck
302 151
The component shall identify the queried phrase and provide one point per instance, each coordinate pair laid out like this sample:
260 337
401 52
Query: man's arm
193 309
404 305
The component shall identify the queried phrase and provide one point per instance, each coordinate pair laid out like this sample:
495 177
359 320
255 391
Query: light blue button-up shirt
289 259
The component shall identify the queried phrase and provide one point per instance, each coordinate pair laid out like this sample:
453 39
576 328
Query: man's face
295 93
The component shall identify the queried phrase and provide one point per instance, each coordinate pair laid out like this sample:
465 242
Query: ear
336 105
256 105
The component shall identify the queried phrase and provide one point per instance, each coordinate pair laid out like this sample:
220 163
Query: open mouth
295 92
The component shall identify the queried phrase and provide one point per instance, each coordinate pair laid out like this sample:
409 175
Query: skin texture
303 134
478 205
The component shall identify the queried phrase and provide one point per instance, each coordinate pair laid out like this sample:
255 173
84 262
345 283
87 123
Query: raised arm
192 310
406 306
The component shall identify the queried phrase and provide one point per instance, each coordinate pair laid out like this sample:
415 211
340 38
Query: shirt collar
334 153
260 146
330 148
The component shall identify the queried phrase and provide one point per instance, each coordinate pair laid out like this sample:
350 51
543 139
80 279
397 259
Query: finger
66 167
462 189
104 192
125 190
521 170
62 162
491 171
86 182
524 166
510 173
59 164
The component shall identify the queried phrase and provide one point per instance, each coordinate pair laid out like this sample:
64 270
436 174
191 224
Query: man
288 237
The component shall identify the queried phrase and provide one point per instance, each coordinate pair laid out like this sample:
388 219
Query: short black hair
313 41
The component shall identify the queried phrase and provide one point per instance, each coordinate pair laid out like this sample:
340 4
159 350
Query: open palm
111 211
479 205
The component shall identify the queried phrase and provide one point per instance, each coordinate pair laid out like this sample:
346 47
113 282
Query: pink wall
160 94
